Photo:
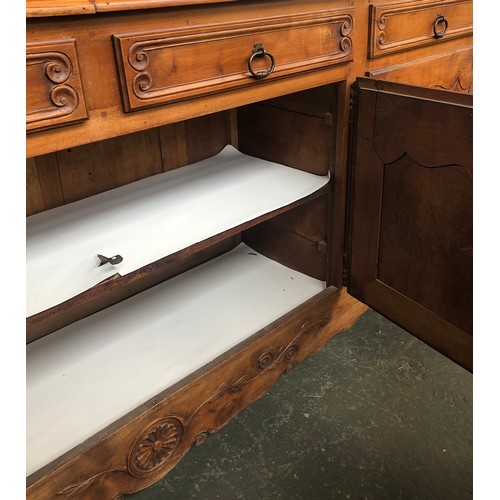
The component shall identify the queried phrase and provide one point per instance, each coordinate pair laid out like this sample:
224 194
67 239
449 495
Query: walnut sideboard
214 190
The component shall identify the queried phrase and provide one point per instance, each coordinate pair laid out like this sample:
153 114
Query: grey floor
375 415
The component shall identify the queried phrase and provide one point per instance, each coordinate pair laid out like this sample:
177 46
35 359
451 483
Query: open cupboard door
409 241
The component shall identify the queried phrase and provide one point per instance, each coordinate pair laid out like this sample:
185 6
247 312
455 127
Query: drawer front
406 25
447 71
54 94
160 67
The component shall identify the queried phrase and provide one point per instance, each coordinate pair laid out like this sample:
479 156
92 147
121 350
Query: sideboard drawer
54 94
158 67
405 25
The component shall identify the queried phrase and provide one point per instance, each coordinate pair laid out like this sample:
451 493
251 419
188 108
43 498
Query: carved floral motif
155 446
161 445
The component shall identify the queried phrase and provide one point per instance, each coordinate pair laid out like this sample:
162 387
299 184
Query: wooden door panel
411 211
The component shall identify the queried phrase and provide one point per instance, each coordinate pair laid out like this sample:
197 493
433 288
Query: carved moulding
161 67
54 94
138 453
448 71
456 86
387 34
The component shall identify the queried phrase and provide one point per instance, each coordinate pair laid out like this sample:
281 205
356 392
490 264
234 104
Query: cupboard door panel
411 211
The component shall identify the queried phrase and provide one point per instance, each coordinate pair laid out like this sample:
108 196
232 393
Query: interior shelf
150 219
87 375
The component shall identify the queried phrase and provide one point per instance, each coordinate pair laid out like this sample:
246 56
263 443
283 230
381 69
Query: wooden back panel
76 173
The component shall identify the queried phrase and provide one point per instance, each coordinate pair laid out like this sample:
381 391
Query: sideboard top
48 8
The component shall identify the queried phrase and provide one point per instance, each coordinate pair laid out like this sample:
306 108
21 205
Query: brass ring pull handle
440 19
259 51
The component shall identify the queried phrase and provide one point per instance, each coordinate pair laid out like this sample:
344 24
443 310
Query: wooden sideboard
214 190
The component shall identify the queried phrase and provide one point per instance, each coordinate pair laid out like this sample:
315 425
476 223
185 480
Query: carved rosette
155 446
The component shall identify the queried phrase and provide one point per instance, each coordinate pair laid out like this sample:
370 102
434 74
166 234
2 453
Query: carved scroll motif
345 31
53 86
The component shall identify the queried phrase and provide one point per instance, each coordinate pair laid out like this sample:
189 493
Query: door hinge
346 254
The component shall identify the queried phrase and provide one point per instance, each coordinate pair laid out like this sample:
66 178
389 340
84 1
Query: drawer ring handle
440 19
257 52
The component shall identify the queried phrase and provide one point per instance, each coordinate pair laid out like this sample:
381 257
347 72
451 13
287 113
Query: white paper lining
87 375
150 219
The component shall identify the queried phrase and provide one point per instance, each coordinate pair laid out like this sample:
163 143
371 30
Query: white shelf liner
150 219
87 375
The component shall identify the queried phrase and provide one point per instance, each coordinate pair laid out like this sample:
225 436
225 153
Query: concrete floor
375 415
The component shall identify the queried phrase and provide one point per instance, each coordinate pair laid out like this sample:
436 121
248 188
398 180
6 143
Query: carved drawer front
406 25
54 94
163 66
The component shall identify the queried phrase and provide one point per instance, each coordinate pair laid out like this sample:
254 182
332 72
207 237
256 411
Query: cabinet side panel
288 131
296 239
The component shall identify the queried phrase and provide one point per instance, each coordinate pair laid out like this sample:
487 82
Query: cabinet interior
295 130
209 296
